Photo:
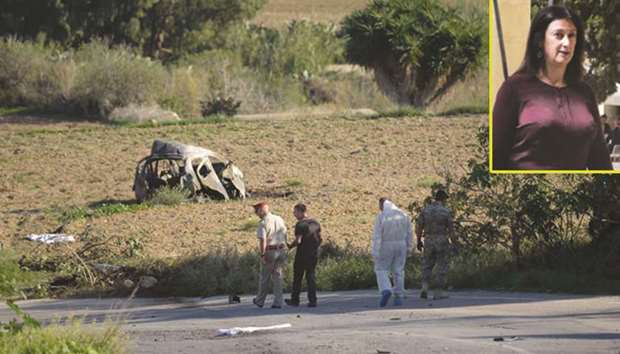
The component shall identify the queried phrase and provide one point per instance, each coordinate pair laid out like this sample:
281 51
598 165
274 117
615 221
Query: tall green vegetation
160 29
417 48
543 219
602 28
302 46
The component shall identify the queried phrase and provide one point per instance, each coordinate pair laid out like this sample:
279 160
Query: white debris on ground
51 238
247 330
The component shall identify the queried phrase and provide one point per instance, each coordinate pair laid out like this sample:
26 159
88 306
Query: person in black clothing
307 241
614 134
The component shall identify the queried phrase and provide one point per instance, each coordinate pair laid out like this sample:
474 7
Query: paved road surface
351 322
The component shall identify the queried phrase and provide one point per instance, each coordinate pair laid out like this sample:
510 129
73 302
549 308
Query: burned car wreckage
200 171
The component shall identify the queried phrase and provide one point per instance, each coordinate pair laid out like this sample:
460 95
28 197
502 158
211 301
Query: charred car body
201 171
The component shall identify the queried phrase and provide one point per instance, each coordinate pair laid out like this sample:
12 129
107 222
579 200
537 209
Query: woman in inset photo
545 117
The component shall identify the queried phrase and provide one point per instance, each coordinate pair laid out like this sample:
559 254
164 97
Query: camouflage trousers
436 255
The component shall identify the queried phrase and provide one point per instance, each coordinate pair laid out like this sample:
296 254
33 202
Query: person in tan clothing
271 235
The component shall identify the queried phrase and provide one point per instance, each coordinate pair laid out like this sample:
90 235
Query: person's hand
420 246
263 258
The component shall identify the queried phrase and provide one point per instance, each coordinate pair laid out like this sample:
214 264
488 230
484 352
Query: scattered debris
128 283
506 339
147 281
379 351
234 299
51 238
395 319
106 268
247 330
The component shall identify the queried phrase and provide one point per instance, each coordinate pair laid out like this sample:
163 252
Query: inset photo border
546 114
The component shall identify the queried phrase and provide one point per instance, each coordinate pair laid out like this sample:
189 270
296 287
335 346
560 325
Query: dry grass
277 13
340 167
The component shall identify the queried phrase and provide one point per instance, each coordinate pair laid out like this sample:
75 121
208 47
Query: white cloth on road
51 238
391 241
246 330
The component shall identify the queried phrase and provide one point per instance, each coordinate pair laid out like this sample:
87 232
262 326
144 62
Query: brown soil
338 166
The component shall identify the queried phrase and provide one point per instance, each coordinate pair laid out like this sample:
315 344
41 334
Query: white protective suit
391 241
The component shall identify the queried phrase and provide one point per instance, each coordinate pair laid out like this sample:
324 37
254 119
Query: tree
160 28
417 48
602 29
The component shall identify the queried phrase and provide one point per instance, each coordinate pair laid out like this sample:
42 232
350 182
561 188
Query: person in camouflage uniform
434 224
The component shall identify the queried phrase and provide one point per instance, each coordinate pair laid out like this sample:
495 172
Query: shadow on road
140 310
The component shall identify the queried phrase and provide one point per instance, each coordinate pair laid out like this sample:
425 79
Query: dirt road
351 322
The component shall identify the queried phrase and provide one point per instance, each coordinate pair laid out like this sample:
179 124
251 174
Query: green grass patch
457 111
179 123
6 111
105 209
427 181
13 280
401 112
293 182
169 196
347 268
26 335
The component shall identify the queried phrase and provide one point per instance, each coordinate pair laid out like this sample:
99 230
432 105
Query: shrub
302 46
115 77
227 106
220 73
353 89
184 90
35 75
218 272
347 273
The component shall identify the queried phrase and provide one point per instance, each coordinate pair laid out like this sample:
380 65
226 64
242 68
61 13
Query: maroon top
541 127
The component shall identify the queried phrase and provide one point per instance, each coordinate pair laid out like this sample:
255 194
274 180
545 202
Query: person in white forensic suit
391 241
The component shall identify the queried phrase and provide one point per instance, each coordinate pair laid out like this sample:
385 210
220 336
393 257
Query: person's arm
598 159
451 235
375 245
262 247
419 226
297 239
504 123
409 234
261 234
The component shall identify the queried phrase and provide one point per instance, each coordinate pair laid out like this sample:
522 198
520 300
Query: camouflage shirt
435 219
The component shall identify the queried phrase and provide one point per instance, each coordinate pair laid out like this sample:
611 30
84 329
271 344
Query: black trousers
301 267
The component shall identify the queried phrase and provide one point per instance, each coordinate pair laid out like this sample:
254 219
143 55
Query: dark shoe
276 307
312 304
256 303
423 295
385 297
291 302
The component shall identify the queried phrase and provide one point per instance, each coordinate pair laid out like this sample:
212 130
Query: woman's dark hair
533 61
